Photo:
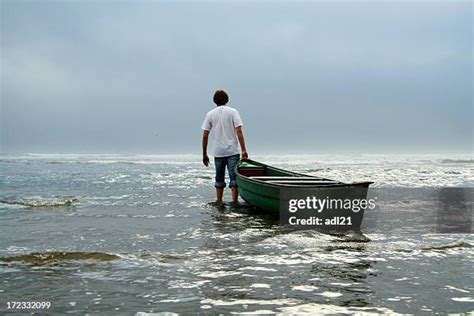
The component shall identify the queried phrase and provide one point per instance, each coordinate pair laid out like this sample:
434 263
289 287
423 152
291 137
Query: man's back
222 122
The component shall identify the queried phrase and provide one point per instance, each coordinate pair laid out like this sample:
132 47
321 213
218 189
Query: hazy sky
306 76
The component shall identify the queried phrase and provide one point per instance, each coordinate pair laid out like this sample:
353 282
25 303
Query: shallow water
138 234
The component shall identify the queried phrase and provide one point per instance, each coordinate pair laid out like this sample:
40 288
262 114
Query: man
225 125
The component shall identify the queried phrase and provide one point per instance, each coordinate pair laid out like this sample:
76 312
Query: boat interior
273 175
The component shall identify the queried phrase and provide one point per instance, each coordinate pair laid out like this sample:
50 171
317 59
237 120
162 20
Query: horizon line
255 154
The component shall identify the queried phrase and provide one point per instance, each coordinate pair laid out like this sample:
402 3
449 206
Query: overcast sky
306 76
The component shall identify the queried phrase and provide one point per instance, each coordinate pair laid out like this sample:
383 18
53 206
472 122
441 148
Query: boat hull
270 189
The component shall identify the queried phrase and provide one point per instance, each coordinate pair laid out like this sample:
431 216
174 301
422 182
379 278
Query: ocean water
139 234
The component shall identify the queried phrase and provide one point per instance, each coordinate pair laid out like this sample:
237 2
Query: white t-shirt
222 122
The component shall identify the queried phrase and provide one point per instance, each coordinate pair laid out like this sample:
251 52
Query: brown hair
221 97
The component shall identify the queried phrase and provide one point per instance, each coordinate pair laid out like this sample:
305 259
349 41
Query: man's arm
205 139
240 136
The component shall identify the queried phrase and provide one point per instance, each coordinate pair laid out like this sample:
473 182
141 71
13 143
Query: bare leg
235 194
219 194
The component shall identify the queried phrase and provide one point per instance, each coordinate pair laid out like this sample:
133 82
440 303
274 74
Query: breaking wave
39 258
455 161
40 202
457 244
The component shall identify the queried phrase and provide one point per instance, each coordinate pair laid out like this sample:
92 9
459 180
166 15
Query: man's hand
205 137
243 148
205 160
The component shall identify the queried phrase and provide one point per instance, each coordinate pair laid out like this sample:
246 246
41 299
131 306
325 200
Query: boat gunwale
266 183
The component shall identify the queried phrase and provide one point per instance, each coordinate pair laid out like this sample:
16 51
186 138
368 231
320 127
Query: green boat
266 188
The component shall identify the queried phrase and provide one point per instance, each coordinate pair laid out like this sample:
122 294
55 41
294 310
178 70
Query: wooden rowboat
265 187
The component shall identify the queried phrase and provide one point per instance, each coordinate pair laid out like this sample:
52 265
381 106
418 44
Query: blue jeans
230 162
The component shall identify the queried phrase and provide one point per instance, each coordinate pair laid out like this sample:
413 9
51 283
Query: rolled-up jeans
221 163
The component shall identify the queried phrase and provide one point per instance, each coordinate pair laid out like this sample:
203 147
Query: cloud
387 73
